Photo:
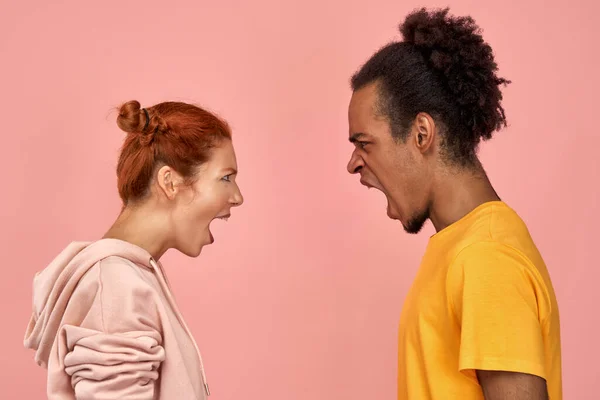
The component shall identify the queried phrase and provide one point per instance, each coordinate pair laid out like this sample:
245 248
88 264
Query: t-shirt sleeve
494 292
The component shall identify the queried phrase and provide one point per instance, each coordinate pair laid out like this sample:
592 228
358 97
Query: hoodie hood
54 285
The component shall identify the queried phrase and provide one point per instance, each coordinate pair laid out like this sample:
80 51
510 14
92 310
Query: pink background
301 293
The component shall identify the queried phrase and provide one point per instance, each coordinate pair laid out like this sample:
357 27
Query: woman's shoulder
116 267
124 294
120 276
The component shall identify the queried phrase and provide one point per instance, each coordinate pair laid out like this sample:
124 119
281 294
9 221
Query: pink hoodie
106 326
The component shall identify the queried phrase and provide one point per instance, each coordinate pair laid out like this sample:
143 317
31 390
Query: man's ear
423 132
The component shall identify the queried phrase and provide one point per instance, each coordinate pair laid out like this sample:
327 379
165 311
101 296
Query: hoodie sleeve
117 351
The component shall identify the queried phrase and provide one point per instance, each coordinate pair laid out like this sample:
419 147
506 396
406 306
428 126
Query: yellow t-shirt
482 299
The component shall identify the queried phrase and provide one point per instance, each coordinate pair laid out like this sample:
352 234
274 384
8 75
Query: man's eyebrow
356 137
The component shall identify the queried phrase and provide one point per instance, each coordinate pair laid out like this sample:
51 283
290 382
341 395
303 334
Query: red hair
176 134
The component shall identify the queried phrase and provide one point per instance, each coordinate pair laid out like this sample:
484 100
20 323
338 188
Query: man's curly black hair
442 67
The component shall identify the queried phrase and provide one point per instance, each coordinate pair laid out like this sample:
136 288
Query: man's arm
501 304
501 385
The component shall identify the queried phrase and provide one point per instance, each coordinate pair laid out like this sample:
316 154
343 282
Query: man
481 319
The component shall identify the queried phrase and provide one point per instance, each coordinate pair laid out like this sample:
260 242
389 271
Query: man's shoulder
501 238
494 229
500 228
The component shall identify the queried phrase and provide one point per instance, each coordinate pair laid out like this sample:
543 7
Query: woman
105 324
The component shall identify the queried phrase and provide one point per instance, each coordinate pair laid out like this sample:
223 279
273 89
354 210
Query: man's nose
355 164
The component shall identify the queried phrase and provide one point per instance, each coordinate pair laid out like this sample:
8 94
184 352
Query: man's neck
457 192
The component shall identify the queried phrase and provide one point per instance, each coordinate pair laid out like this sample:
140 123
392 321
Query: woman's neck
138 226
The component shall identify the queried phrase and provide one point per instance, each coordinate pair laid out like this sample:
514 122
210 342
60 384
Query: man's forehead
364 99
363 113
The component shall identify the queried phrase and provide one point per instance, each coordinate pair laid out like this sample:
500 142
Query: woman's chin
197 250
210 240
193 253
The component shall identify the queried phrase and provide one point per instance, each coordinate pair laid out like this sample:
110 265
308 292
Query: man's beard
416 222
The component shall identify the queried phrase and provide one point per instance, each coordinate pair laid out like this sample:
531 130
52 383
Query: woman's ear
168 180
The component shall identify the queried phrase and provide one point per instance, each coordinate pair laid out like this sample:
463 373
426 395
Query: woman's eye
227 178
